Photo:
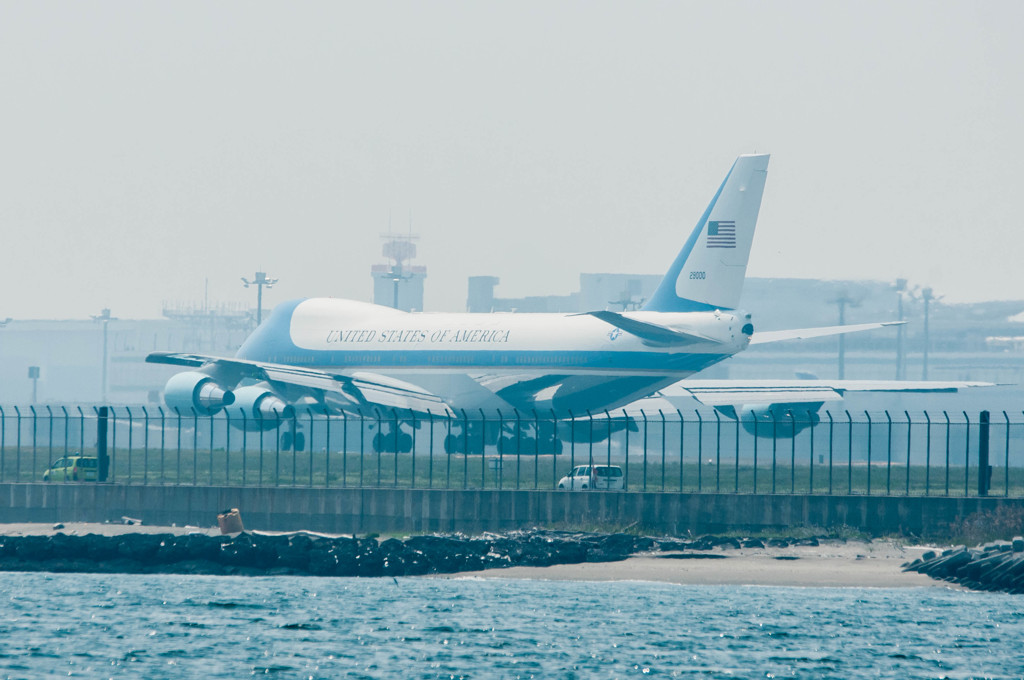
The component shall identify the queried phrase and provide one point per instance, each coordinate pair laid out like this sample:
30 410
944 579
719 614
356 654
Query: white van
605 477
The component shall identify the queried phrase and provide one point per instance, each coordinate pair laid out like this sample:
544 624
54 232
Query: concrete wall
416 510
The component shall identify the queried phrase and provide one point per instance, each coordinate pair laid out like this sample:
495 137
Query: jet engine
260 404
196 391
779 420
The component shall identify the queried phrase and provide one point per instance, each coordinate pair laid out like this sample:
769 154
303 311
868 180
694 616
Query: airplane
331 356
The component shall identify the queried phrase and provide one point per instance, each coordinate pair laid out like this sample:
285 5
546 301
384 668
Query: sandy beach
874 564
849 565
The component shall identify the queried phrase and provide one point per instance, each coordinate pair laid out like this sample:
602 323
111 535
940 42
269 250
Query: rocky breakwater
311 554
995 566
308 554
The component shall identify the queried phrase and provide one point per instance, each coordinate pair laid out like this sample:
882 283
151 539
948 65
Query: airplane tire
378 443
286 440
300 441
405 443
453 444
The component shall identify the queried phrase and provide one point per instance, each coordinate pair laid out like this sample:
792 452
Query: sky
150 152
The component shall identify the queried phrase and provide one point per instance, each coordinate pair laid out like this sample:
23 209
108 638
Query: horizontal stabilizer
762 337
650 333
750 392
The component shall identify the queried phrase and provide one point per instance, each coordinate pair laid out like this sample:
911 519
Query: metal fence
877 453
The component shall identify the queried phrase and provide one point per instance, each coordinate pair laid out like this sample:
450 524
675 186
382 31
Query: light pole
261 279
843 299
927 295
104 317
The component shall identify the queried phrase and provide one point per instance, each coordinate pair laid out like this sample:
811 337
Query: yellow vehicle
73 468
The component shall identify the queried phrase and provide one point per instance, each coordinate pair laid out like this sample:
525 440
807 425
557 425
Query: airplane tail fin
708 273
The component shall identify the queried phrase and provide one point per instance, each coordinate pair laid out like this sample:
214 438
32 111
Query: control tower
399 284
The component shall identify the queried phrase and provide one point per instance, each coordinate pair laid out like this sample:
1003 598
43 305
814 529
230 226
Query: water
84 625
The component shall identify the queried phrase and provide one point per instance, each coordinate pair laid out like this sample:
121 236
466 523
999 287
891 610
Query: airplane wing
761 337
360 389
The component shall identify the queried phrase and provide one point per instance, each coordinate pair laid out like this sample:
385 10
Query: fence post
946 415
927 453
394 412
868 416
327 448
718 452
344 449
195 444
572 450
412 448
245 444
554 448
261 427
465 449
590 447
103 461
753 415
907 414
967 455
831 423
736 481
888 454
501 449
227 447
792 452
810 431
130 428
430 453
309 446
32 476
625 446
608 422
644 416
519 449
177 477
775 445
1006 465
277 446
67 428
213 429
700 451
662 449
160 409
483 449
849 453
49 436
3 444
984 469
145 446
379 437
682 439
448 458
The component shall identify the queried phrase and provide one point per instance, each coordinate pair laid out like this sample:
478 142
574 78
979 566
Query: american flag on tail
721 234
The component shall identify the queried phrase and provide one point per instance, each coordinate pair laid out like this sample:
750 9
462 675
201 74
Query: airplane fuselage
347 335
